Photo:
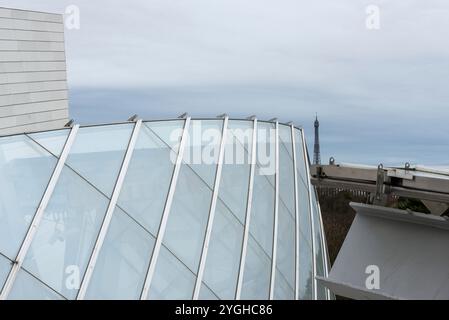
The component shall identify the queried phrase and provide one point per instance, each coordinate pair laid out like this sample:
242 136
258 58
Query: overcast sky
382 95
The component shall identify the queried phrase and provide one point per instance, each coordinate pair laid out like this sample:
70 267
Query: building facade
171 209
33 86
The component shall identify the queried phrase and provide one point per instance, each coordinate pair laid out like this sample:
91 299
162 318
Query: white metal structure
123 209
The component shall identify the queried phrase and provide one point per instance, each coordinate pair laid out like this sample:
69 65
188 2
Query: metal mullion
165 215
312 226
212 210
297 222
249 202
110 211
17 264
276 211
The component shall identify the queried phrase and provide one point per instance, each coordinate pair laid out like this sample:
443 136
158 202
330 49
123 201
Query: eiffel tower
316 147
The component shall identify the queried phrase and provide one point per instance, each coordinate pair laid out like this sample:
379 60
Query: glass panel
305 270
203 148
206 293
319 254
305 249
282 291
27 287
223 255
97 154
301 160
285 258
123 260
53 141
25 169
257 273
66 235
170 132
262 212
305 225
187 221
5 267
147 180
285 136
174 281
286 173
236 168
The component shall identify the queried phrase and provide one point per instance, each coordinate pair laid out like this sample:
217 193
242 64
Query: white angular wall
33 85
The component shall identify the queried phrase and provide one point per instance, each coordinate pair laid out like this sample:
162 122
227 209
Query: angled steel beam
110 211
213 206
297 226
165 214
312 227
17 264
249 202
276 211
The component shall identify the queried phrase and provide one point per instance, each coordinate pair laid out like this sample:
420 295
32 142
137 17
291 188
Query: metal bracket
380 182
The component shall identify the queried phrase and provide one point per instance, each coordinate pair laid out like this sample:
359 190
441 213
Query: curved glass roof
174 209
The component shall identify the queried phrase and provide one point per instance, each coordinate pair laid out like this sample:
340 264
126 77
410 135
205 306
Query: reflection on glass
5 267
285 257
236 168
286 171
66 235
124 257
147 180
319 256
257 273
203 148
97 154
206 293
170 132
173 281
53 141
301 159
25 170
282 290
186 225
262 211
223 256
27 287
305 270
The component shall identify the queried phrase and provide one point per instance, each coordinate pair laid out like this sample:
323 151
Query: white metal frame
276 212
165 215
39 214
110 211
297 222
249 202
213 206
309 187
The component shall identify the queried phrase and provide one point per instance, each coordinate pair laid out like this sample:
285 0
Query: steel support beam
110 211
165 214
248 211
17 264
276 214
213 207
297 225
